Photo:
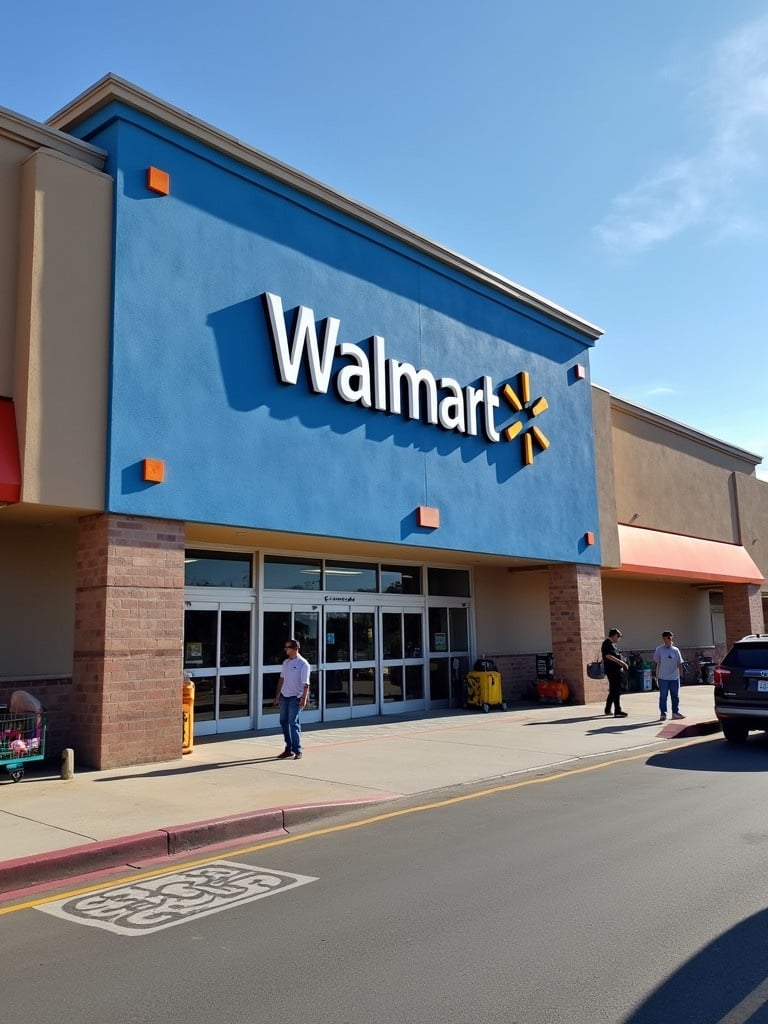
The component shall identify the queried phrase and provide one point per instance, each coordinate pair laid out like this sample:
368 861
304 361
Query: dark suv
741 688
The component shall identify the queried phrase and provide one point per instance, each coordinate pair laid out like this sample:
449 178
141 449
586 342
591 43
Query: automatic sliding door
217 656
448 652
402 659
349 665
278 625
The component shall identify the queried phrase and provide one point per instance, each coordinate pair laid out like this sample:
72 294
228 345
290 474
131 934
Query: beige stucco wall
651 460
62 337
606 477
37 581
511 610
641 609
752 495
12 154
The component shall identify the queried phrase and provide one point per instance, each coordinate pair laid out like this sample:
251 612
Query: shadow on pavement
570 721
708 756
726 980
623 725
191 769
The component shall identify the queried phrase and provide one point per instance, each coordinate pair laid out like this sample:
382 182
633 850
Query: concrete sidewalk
229 788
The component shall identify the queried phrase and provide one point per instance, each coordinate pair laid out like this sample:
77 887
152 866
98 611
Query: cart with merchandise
22 739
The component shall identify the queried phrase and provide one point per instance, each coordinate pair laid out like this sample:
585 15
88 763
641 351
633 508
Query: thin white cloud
703 188
661 392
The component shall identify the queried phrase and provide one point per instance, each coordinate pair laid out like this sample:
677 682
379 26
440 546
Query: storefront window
448 582
351 577
292 573
400 579
217 569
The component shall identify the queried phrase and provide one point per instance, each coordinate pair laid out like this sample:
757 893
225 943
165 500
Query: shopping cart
22 739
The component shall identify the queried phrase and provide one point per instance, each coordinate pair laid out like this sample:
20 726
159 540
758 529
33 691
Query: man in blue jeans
292 693
668 664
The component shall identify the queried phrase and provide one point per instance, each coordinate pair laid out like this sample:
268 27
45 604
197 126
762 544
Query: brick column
576 620
743 608
127 677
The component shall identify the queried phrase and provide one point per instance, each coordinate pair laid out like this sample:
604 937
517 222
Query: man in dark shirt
615 666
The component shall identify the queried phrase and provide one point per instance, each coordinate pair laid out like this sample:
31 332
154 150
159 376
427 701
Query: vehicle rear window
749 656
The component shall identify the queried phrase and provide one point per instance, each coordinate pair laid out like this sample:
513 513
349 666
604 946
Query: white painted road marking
149 905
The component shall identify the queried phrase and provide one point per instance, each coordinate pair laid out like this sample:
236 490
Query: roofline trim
28 132
113 88
639 412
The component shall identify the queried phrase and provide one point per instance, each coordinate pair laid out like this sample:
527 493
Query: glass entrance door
279 625
340 644
448 652
402 659
349 666
217 656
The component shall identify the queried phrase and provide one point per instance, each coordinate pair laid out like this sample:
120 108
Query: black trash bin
707 672
545 666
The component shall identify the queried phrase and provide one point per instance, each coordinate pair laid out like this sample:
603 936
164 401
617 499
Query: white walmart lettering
374 381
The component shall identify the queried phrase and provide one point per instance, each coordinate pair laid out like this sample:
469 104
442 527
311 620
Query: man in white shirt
292 693
668 666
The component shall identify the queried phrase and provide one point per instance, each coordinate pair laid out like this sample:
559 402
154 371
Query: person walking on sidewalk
615 667
668 668
292 693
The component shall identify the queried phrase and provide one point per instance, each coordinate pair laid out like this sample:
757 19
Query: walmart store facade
238 406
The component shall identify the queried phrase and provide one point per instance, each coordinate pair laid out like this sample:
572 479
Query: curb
162 843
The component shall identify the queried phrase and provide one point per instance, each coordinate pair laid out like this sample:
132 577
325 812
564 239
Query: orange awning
668 554
10 467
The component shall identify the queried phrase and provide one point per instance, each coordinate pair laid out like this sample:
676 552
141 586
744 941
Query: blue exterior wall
194 381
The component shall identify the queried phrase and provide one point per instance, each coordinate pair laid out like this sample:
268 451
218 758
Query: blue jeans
671 687
290 722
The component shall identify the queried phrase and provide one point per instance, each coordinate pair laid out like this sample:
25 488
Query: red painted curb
77 860
182 838
163 843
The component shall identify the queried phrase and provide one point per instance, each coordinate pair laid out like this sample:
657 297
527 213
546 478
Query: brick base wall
576 618
126 682
743 610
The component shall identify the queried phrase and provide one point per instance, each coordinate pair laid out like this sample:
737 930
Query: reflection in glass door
448 653
217 656
340 645
279 625
402 658
349 666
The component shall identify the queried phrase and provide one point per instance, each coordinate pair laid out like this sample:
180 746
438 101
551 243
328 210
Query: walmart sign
376 381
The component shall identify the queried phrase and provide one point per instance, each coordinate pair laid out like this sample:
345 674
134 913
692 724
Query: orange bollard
187 716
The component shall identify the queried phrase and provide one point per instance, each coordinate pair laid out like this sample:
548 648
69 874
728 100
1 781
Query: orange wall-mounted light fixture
154 471
428 517
589 539
158 181
579 371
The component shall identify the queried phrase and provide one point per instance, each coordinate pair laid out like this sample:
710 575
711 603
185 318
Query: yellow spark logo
520 401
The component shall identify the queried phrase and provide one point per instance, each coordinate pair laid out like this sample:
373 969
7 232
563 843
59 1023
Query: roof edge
639 412
28 132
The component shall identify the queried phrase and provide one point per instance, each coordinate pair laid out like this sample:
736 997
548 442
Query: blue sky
611 156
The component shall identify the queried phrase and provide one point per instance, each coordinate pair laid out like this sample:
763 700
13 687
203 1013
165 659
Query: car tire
735 732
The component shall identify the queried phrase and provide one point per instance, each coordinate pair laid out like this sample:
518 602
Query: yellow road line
283 841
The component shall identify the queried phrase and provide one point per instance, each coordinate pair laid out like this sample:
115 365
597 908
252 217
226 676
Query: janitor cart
483 686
